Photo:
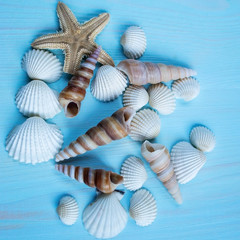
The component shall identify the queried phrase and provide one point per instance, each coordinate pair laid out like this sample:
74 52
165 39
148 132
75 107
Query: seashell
187 161
134 42
145 125
158 157
105 217
134 173
42 65
67 210
162 98
71 96
34 141
187 88
108 84
203 139
104 181
112 128
141 73
135 97
37 99
143 207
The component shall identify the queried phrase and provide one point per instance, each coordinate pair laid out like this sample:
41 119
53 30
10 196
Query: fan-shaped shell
105 217
187 88
203 139
143 208
37 99
68 210
187 161
134 173
161 98
42 65
146 124
134 42
34 141
135 97
108 84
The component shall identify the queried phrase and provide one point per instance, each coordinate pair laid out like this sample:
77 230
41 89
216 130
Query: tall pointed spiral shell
104 181
112 128
42 65
141 73
158 157
71 96
105 217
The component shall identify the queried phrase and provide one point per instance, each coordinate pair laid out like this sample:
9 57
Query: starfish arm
105 59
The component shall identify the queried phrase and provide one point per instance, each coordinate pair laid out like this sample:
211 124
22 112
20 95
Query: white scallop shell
203 139
186 88
143 208
108 84
105 217
68 210
146 124
42 65
34 141
134 42
161 98
187 161
134 173
135 97
37 99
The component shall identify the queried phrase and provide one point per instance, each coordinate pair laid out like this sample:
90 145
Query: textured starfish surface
77 40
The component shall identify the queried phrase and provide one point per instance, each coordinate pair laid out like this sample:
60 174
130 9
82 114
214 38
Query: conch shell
104 181
141 73
71 96
111 128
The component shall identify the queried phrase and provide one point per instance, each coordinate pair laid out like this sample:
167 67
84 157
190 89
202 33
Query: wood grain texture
203 35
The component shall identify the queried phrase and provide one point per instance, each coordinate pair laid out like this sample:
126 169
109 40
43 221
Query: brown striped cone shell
111 128
141 73
71 96
104 181
159 158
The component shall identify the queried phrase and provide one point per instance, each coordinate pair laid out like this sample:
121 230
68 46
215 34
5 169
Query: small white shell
145 124
143 208
187 161
67 210
186 88
42 65
108 84
161 98
133 42
37 99
135 97
105 217
134 173
34 141
203 139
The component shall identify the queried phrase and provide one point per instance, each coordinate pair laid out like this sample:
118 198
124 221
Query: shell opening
115 178
128 115
72 109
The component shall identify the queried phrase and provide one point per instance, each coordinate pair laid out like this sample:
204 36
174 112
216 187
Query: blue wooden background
204 35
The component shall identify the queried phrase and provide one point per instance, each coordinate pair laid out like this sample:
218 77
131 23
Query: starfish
77 40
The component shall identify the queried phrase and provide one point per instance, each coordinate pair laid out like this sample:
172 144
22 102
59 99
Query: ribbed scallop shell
134 173
161 98
203 139
187 88
143 208
187 161
67 210
108 84
135 97
42 65
34 141
37 99
134 42
105 217
146 124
